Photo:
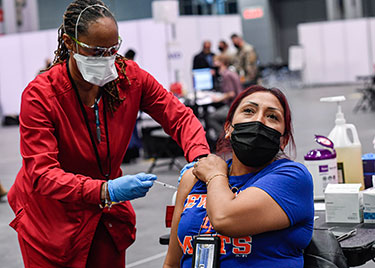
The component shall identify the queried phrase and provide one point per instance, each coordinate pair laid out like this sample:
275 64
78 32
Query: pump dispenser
349 151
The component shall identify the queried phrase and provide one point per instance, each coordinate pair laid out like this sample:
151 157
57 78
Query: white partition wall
128 30
35 51
310 36
23 55
359 55
337 51
334 52
153 50
11 74
371 31
208 28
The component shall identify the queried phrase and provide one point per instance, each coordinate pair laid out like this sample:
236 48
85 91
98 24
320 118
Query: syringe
166 185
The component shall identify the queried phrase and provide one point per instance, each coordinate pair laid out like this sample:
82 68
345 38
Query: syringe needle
166 185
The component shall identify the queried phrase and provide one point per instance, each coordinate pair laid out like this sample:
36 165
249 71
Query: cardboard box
369 205
344 203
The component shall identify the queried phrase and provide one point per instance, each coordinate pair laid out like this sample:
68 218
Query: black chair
324 251
158 146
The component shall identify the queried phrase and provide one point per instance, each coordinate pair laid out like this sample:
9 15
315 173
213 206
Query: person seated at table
259 203
230 86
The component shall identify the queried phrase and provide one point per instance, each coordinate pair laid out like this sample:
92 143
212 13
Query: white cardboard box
344 203
369 205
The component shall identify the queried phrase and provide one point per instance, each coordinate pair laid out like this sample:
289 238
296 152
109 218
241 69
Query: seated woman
260 204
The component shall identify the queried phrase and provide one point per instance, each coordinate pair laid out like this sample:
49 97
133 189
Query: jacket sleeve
177 120
39 150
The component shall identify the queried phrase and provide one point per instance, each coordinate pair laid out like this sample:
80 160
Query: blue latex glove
130 187
185 168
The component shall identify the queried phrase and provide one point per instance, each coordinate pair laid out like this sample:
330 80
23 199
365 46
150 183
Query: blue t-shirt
290 185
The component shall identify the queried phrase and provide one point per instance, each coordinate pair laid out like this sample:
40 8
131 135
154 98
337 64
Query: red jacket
57 191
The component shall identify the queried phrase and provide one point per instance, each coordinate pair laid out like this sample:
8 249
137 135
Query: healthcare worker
76 121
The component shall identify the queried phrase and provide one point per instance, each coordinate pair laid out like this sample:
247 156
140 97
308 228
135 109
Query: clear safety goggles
99 51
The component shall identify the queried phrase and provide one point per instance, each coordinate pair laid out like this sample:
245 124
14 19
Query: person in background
224 49
245 61
204 59
3 191
47 65
130 54
230 86
259 204
70 197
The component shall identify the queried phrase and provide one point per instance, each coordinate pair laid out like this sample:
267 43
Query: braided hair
96 11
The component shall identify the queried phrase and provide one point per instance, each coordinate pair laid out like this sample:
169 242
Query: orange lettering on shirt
187 246
226 240
202 202
190 200
242 245
207 225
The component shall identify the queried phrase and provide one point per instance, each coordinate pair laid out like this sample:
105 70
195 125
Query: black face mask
254 143
237 46
221 49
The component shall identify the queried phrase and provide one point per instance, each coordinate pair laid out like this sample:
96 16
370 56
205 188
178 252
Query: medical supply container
322 165
348 148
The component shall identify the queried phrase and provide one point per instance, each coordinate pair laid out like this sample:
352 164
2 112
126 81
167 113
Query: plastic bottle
349 152
322 165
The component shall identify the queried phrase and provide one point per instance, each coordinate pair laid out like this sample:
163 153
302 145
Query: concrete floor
309 116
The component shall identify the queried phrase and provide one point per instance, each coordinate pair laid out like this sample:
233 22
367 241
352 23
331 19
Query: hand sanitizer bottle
349 151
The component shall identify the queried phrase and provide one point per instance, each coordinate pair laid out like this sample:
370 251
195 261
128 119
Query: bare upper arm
174 251
186 184
253 211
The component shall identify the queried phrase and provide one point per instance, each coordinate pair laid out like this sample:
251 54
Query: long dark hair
89 16
223 145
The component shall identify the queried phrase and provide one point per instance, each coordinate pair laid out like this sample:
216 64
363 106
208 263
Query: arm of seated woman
174 251
253 211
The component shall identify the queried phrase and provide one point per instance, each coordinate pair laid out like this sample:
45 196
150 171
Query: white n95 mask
97 70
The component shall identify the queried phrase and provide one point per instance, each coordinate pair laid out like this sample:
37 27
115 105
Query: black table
358 249
200 106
